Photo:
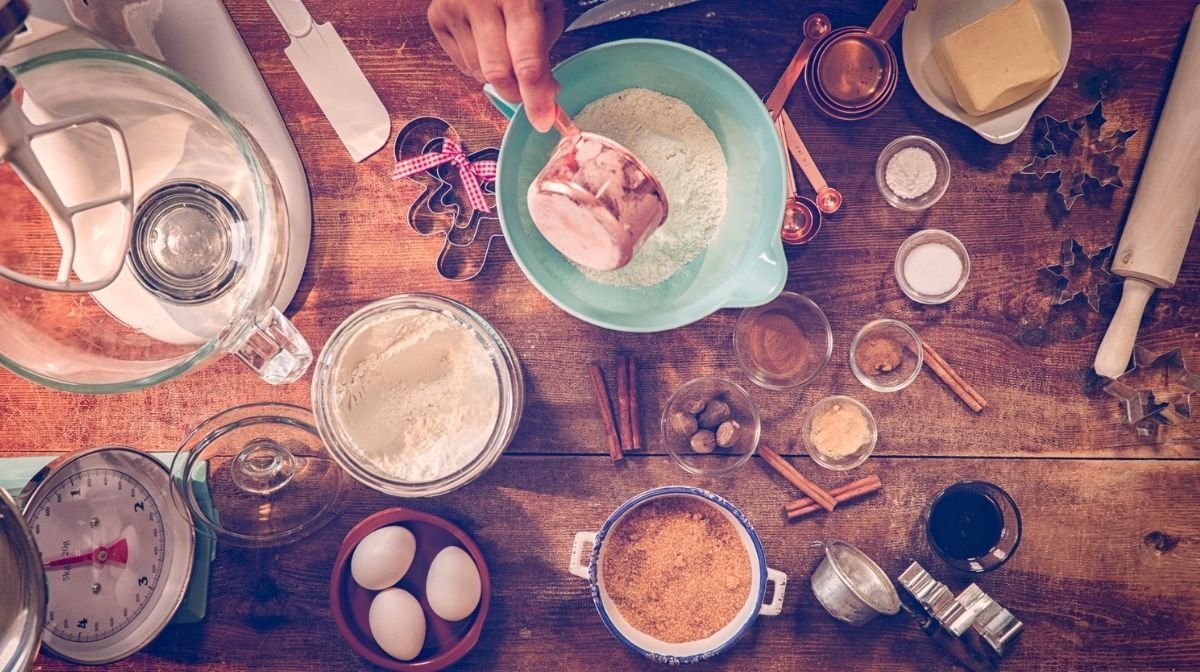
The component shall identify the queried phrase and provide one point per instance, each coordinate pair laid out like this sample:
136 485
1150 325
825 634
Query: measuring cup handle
775 606
275 349
890 18
577 566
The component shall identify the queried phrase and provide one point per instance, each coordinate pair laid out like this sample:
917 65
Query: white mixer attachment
17 134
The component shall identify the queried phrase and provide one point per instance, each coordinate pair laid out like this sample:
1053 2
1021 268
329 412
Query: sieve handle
577 567
775 607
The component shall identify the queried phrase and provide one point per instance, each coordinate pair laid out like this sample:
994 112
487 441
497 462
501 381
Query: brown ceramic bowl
446 642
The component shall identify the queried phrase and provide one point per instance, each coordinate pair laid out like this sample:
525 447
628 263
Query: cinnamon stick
932 354
596 374
952 380
804 506
796 478
635 416
626 426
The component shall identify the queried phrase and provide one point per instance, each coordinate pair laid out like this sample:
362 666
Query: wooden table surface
1106 576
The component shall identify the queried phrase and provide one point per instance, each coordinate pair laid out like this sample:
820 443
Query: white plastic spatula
334 79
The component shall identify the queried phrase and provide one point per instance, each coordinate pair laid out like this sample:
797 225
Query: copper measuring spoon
854 71
816 27
801 218
828 199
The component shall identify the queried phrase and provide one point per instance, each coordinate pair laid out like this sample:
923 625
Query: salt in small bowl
926 237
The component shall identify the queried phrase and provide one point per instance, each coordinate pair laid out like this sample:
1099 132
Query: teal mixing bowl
743 266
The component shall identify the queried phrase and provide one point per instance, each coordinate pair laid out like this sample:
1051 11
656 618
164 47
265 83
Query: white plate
933 19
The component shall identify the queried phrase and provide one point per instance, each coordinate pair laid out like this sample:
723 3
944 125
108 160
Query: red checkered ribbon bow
474 173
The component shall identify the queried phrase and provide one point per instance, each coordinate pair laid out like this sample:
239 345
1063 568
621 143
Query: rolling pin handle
1113 357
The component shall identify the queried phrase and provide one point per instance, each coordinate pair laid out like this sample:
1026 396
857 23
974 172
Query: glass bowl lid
269 477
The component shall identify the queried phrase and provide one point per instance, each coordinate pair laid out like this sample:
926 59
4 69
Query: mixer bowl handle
275 349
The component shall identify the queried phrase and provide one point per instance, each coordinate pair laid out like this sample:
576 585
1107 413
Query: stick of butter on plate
997 60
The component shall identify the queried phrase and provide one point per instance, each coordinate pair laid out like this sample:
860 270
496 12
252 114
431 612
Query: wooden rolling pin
1164 209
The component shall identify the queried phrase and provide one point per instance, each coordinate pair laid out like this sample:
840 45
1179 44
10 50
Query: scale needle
117 552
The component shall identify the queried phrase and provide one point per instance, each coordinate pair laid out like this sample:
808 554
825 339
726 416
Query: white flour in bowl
418 394
684 154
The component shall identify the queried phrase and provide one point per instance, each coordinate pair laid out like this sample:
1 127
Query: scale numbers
117 557
61 526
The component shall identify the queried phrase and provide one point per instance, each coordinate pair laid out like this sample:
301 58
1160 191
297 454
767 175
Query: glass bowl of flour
417 395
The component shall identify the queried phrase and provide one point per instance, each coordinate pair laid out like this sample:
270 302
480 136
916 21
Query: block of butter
997 60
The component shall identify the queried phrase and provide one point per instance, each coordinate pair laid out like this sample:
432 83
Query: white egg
383 557
453 586
397 623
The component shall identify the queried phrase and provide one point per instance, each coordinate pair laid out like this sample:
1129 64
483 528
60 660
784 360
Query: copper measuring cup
594 200
854 71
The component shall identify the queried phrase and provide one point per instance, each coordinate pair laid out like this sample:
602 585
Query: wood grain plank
1116 594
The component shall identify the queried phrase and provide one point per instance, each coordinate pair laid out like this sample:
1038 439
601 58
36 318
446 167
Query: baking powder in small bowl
416 395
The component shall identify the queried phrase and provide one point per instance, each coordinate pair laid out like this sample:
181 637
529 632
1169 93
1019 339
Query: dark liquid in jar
965 524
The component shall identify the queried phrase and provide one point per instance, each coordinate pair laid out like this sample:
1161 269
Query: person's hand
505 43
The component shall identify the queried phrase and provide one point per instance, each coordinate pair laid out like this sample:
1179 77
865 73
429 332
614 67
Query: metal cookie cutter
442 209
1145 410
971 610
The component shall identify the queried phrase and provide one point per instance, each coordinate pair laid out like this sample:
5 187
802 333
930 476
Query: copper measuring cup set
853 74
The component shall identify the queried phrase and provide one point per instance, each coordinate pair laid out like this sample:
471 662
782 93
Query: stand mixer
180 234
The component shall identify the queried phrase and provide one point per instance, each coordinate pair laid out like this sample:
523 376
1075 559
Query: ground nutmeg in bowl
676 569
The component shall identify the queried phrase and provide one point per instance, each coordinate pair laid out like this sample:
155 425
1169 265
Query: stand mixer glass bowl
196 268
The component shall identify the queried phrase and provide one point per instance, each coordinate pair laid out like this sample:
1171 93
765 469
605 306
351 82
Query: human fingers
487 24
527 46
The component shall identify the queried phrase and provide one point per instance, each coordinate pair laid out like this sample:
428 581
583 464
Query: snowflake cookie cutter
1143 409
1074 265
1058 144
442 208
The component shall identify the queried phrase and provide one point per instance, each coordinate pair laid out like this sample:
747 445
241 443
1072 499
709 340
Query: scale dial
116 554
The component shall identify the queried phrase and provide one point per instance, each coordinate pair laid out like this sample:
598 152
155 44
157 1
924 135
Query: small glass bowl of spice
932 266
839 433
912 172
783 344
710 426
886 356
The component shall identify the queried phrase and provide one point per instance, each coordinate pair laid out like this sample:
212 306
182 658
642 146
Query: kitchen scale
103 548
97 532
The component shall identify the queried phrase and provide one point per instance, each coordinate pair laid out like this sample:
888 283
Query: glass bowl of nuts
710 426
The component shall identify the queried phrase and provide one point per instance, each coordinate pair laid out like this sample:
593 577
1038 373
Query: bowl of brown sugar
677 574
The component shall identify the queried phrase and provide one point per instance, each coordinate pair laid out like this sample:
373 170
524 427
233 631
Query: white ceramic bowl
685 652
933 19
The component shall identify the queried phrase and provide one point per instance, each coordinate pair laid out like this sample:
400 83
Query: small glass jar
342 445
973 526
889 376
915 241
846 462
941 181
718 459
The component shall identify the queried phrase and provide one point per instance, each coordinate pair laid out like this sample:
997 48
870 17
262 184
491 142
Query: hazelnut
683 424
704 442
714 413
727 434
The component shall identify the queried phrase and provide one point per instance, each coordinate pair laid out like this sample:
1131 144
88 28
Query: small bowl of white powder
932 266
912 172
417 395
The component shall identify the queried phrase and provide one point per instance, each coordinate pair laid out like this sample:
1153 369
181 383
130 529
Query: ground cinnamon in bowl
676 569
783 344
